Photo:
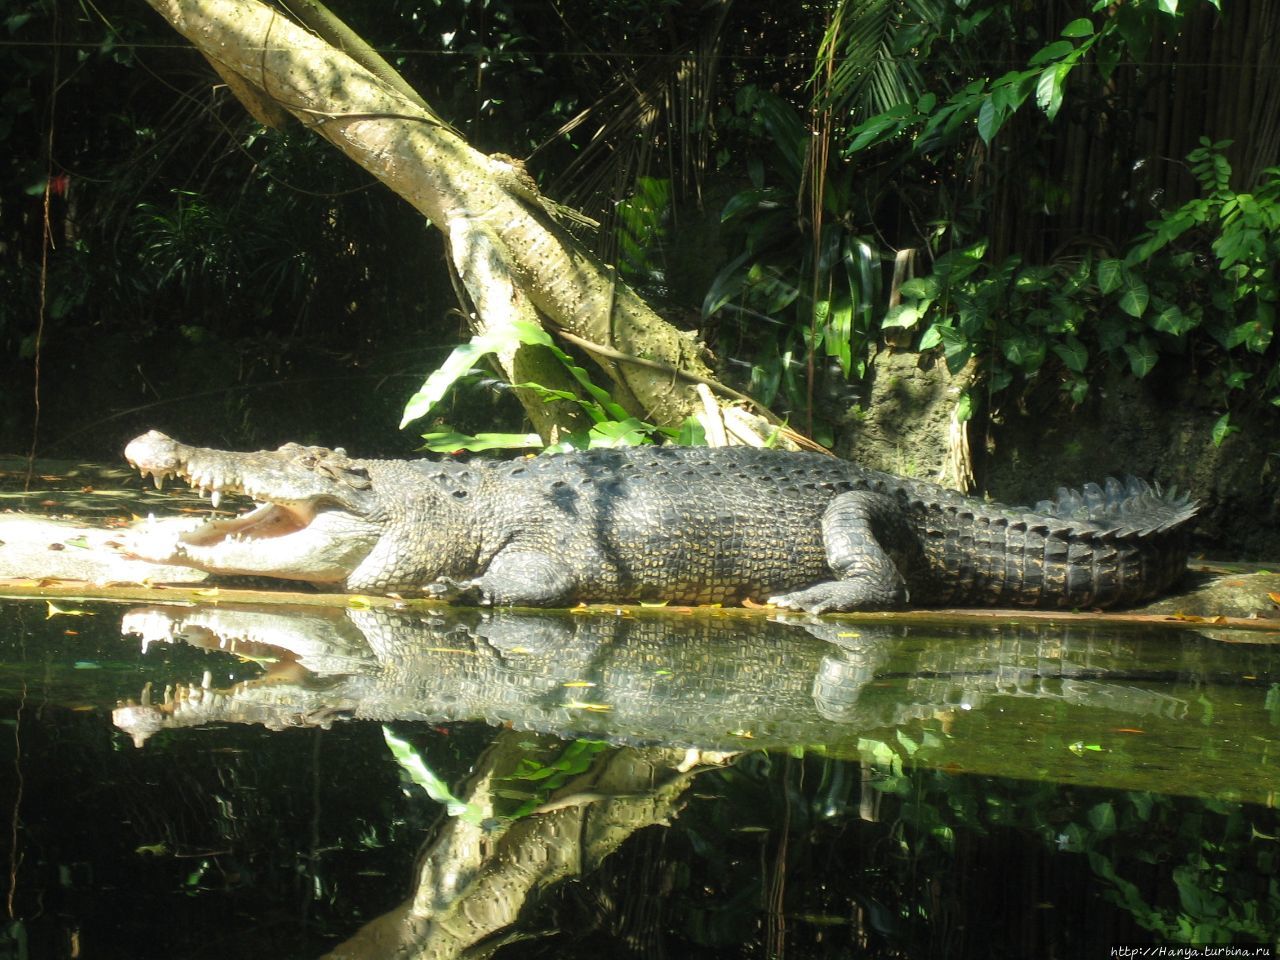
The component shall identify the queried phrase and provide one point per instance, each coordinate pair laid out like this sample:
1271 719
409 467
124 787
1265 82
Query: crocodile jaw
272 540
315 534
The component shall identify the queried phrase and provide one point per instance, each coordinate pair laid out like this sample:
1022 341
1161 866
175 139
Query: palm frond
865 61
653 120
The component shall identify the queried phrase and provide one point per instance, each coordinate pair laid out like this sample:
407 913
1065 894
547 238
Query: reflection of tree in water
480 875
815 856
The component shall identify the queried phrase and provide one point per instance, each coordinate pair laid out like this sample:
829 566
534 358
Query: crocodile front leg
863 532
518 578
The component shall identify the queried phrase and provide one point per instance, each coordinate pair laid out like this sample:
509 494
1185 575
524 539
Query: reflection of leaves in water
411 763
546 778
56 611
530 786
1218 897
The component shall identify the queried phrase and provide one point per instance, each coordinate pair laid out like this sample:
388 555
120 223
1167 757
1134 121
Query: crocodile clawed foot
799 602
450 590
843 595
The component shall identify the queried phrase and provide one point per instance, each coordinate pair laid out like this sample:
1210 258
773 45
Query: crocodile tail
1128 508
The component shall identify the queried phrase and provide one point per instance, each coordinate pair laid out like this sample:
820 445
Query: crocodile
684 525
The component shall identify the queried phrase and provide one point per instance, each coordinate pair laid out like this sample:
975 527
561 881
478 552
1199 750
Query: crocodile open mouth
311 538
268 518
264 521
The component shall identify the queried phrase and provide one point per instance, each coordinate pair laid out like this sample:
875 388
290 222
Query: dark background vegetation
1048 192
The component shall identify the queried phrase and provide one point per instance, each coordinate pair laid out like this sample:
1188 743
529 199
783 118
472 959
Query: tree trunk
513 260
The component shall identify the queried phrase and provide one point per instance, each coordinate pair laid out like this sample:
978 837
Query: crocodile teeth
215 498
158 479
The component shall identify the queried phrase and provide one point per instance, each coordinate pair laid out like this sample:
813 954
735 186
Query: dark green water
650 785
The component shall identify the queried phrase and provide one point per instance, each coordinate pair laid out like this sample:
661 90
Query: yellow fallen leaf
56 611
593 707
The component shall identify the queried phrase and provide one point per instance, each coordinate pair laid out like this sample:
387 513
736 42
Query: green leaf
904 315
1049 88
750 200
604 407
956 347
1010 91
1025 351
1083 27
1258 335
1173 321
620 433
1077 388
1142 356
837 334
1110 273
882 126
1053 51
921 288
1135 298
691 434
1073 353
459 362
989 120
450 441
1238 335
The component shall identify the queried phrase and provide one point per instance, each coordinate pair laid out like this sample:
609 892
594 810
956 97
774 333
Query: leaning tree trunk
515 263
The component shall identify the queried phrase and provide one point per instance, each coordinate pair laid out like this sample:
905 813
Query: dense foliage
1003 183
1014 165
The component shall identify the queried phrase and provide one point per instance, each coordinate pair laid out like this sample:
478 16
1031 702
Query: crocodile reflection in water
707 681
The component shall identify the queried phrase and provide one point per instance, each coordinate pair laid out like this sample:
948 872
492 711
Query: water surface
237 780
